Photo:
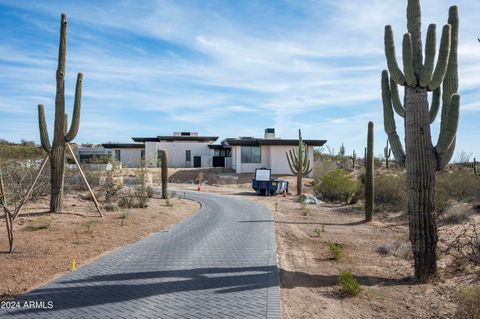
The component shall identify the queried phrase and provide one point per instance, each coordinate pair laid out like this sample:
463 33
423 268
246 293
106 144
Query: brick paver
219 263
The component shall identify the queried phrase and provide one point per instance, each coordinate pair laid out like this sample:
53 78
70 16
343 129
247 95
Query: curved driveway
218 263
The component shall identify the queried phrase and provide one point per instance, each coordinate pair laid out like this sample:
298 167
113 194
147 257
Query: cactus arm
397 105
395 71
414 23
76 110
65 123
443 57
435 104
290 164
43 129
430 51
449 130
389 121
408 60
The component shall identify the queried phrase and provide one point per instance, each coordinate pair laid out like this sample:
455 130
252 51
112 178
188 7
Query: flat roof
176 138
266 142
124 145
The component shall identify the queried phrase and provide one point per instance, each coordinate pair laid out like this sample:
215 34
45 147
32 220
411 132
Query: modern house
189 150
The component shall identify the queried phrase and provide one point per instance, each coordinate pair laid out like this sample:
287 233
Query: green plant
348 283
468 303
336 185
298 162
317 232
354 157
387 152
88 225
337 250
369 168
60 137
422 159
341 152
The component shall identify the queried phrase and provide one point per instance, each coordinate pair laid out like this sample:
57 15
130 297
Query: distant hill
21 151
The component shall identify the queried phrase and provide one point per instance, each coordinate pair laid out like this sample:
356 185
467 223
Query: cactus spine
299 163
61 135
354 157
164 160
475 167
420 157
369 190
387 152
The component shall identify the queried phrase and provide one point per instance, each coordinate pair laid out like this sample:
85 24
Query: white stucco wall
130 157
177 153
273 157
151 154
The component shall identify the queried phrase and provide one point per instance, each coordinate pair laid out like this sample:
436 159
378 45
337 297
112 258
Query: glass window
188 155
117 155
142 155
251 154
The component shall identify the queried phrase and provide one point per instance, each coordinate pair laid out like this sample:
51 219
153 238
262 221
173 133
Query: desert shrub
397 248
336 250
456 215
150 192
133 197
38 224
468 303
336 185
460 186
390 192
321 168
26 150
110 207
18 177
348 283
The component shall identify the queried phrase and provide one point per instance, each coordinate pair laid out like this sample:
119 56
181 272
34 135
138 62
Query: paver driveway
218 263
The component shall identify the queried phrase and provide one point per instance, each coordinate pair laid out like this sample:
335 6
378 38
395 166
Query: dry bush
455 215
462 186
468 303
390 192
398 248
38 224
133 197
465 248
18 176
321 168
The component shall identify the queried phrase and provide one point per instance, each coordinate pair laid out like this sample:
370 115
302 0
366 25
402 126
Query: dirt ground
46 244
308 273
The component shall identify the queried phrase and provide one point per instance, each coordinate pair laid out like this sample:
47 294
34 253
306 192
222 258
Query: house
184 149
249 153
189 150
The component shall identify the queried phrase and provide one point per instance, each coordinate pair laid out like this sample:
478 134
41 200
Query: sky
221 68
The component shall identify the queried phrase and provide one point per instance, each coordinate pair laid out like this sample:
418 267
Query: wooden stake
85 180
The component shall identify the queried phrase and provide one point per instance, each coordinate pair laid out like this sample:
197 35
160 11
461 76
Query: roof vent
269 133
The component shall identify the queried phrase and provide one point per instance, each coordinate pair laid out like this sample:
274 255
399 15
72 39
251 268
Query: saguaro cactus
354 157
298 161
421 158
387 152
61 135
475 167
341 152
369 190
164 160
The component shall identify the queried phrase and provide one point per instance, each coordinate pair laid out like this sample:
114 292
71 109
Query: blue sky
227 68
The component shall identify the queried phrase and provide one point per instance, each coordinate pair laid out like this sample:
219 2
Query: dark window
188 155
117 155
142 156
251 154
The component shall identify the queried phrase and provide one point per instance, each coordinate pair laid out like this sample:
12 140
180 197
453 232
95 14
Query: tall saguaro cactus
369 162
299 163
61 134
164 174
476 171
420 157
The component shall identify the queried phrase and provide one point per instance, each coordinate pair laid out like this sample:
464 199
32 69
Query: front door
197 161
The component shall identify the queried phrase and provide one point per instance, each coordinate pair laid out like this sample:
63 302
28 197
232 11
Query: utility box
263 184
